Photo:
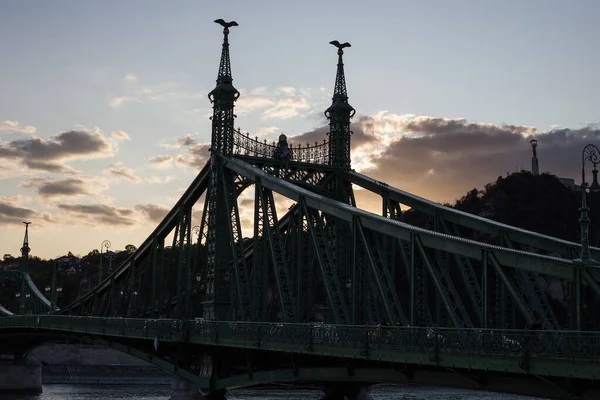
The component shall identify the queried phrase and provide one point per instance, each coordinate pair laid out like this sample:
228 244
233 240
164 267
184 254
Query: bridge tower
339 114
220 224
24 267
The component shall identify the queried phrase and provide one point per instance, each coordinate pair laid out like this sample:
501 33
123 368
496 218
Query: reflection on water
141 392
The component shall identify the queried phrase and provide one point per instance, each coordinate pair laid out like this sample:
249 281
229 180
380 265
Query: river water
111 392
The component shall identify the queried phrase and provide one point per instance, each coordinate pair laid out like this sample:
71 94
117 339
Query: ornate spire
223 96
24 267
339 114
25 249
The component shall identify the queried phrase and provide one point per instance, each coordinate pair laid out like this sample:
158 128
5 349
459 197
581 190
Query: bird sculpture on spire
226 25
340 46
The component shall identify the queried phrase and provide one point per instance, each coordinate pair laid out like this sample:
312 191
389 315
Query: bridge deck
548 353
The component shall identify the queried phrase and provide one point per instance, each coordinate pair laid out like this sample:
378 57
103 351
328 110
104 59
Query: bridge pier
184 390
22 376
348 392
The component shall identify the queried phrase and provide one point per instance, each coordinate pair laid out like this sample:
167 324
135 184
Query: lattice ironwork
246 145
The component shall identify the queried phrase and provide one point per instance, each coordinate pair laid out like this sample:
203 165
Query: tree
7 257
94 252
130 248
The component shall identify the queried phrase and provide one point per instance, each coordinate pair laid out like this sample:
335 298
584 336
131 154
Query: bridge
326 292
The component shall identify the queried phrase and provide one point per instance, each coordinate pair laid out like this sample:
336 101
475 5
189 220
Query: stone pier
22 376
348 392
184 390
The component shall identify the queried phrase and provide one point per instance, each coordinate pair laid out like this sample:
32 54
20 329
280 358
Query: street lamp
589 153
54 289
105 244
110 256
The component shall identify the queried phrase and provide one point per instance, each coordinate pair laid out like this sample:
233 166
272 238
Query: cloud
443 158
154 212
9 170
123 172
118 101
160 179
94 214
259 91
268 130
182 141
195 155
14 127
66 187
131 78
358 138
286 108
13 213
162 161
120 135
186 140
57 188
247 104
50 154
287 91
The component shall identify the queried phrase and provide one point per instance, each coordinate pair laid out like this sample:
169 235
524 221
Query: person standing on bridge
283 151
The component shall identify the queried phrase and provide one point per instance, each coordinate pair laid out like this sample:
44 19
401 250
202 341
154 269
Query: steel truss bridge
324 291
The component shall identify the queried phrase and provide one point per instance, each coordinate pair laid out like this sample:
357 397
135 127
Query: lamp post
589 153
105 244
54 289
110 256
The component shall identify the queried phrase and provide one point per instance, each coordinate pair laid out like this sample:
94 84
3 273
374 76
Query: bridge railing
560 345
246 145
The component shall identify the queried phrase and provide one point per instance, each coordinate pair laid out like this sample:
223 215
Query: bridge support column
348 392
23 376
184 390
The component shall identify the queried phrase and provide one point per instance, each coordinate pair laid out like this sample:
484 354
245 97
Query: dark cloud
443 158
359 136
59 187
13 214
246 203
195 156
49 155
93 214
44 166
155 213
459 126
63 187
186 140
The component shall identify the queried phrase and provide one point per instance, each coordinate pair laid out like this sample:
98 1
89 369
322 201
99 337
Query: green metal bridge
324 291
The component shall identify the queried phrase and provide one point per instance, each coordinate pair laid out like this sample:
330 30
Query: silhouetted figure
283 151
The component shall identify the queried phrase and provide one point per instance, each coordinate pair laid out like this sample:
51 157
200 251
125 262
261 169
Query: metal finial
226 25
340 46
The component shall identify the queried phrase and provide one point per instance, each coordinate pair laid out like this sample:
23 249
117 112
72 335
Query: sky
104 115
